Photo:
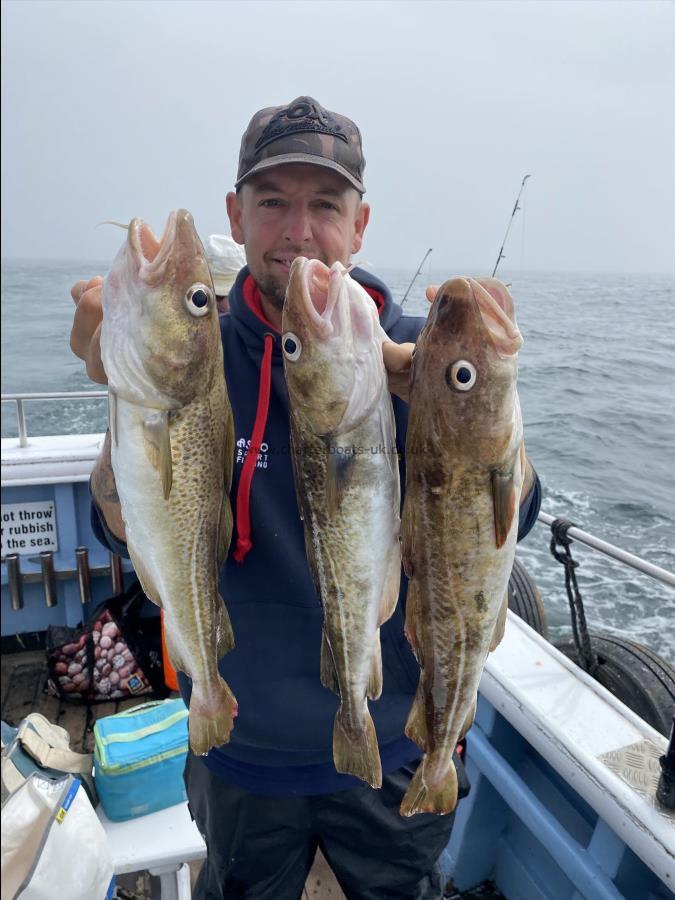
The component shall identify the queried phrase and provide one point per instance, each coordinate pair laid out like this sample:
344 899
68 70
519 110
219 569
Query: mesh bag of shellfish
116 654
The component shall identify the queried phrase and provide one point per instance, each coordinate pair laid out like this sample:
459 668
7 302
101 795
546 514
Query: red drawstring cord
244 543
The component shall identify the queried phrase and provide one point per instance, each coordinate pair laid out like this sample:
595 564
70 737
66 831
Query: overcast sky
122 109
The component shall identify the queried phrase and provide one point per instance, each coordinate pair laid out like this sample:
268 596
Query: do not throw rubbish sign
28 528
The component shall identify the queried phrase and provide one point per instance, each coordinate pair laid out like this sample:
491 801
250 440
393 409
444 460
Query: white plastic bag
53 844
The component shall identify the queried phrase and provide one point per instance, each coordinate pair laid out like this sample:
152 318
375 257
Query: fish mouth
497 311
318 294
150 252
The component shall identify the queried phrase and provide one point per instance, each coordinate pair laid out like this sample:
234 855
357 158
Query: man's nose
298 225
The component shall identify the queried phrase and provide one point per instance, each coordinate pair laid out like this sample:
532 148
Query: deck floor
24 678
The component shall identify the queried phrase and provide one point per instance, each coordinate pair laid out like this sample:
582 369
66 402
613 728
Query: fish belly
356 558
454 598
173 544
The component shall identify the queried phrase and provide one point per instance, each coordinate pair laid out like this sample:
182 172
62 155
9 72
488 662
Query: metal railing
577 534
20 399
629 559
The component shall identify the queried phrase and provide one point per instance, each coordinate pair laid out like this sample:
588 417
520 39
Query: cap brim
286 158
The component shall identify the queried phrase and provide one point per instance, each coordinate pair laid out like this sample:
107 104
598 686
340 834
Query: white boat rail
577 534
20 399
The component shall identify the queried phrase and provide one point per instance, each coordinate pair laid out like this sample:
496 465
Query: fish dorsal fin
504 502
158 446
338 468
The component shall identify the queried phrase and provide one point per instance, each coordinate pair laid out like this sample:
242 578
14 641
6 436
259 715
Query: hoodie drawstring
244 543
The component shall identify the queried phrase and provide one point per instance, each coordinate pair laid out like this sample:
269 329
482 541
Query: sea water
597 390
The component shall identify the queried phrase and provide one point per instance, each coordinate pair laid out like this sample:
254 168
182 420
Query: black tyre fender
634 674
525 600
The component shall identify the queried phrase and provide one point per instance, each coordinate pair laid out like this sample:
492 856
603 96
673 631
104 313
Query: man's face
295 210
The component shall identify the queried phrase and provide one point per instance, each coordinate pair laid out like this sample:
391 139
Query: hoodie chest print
243 447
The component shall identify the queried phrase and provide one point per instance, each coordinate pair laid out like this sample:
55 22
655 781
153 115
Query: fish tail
426 796
416 726
355 750
211 717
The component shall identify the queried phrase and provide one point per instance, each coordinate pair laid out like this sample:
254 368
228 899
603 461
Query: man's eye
270 203
326 204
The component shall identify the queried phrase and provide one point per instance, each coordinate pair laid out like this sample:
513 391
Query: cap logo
301 117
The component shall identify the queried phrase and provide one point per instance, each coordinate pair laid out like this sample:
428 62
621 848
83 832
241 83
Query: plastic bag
53 843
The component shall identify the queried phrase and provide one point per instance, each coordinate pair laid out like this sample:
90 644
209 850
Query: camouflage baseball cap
302 132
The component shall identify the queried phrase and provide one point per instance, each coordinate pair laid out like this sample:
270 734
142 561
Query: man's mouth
285 260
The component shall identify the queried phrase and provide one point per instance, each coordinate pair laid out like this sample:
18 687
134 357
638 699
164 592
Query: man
270 797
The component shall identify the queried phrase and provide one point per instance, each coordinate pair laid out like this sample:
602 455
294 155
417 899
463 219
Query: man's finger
87 318
80 287
397 357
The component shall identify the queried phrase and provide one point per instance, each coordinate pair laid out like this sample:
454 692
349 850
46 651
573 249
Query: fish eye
199 299
461 375
291 345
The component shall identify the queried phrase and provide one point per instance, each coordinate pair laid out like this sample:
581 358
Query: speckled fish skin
347 483
460 517
172 450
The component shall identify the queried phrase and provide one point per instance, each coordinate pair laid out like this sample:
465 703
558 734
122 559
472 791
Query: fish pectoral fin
143 575
416 726
338 469
505 503
328 671
223 629
500 623
374 689
158 446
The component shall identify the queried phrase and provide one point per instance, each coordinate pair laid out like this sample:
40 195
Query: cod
172 450
464 457
347 483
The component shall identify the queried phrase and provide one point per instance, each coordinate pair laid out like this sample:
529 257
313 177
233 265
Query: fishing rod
415 275
515 210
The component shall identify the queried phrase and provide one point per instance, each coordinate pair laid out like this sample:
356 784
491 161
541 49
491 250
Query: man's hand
85 336
398 359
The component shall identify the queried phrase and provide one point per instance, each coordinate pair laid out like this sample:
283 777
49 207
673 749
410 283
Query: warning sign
28 527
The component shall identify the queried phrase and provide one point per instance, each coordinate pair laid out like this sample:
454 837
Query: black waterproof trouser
262 848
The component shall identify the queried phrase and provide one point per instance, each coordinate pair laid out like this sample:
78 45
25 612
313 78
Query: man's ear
360 224
233 203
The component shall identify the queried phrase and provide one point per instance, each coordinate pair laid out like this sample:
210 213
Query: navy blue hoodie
283 736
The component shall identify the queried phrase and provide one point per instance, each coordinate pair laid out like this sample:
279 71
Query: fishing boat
564 774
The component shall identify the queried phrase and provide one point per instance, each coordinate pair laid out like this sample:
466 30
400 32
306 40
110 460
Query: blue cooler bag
139 758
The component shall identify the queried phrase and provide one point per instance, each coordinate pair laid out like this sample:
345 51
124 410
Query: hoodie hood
249 322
